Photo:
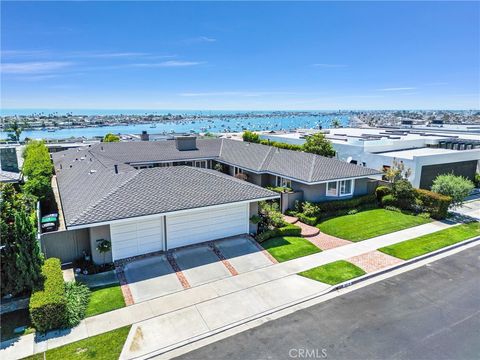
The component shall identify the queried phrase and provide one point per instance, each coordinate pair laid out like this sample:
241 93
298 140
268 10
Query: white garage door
136 237
206 224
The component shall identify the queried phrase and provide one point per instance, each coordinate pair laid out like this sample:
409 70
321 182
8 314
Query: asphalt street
432 312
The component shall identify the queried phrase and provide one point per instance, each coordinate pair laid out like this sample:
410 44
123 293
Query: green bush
392 208
77 297
389 200
281 145
477 180
435 204
352 212
310 209
332 206
456 187
404 192
47 303
381 191
287 230
250 136
278 189
309 220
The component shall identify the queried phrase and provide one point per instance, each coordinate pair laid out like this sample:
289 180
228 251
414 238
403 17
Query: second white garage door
206 224
132 238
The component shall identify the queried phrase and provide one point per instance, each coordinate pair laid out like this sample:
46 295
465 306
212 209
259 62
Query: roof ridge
111 192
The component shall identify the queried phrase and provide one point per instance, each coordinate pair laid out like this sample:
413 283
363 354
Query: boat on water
153 126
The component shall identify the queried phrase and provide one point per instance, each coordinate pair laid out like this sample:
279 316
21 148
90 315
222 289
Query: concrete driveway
192 266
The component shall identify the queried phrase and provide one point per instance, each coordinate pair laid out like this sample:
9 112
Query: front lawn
368 224
288 247
107 346
424 244
334 273
19 319
105 298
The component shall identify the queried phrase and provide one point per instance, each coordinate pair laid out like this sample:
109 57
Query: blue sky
243 55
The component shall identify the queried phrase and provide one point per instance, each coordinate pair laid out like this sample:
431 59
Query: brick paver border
127 294
222 257
178 271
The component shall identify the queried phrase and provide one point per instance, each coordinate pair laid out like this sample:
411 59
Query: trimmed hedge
309 220
288 230
381 191
389 200
332 206
47 303
435 204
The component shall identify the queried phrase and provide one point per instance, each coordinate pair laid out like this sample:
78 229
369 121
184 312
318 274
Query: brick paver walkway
326 242
178 271
127 294
373 261
290 219
307 230
223 259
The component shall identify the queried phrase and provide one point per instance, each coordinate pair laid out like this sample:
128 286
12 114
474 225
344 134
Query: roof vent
101 148
93 171
116 168
184 143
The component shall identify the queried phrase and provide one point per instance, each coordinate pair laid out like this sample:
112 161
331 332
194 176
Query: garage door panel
136 238
206 224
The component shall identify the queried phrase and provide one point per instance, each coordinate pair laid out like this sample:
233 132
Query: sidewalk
172 319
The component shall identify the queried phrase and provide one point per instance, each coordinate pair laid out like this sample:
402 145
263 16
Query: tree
16 130
21 259
457 187
398 171
319 144
250 136
404 194
111 138
335 123
103 247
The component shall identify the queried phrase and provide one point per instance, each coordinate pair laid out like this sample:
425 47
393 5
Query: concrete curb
305 299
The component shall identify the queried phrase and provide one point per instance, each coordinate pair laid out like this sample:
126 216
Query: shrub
47 303
435 204
319 144
389 200
404 192
288 230
457 187
477 180
111 138
392 208
250 136
77 297
309 220
424 215
281 145
310 209
352 212
332 206
381 191
270 215
278 189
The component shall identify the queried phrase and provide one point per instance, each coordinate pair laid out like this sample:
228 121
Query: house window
201 164
345 187
332 188
282 182
237 170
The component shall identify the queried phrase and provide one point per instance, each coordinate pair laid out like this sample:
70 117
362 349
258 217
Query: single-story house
153 196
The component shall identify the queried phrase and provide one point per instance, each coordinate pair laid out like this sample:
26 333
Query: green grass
368 224
107 346
288 247
105 298
424 244
12 320
334 273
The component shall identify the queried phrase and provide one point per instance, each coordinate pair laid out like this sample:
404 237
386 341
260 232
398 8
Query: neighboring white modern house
154 196
427 153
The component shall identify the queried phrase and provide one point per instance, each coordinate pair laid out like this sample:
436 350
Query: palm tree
16 129
335 123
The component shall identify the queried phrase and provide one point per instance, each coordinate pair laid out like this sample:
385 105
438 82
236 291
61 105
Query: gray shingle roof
91 191
152 191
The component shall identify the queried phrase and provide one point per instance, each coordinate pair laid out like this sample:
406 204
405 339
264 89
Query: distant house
428 152
154 196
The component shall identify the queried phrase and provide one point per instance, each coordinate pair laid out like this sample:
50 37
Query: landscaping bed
370 223
107 346
424 244
334 273
104 299
289 247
